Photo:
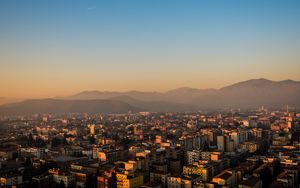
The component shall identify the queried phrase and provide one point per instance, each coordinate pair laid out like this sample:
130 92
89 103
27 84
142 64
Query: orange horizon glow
61 48
52 90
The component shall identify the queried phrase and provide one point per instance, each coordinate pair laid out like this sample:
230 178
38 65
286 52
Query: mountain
188 95
257 92
157 106
150 101
87 95
67 106
246 94
139 95
2 100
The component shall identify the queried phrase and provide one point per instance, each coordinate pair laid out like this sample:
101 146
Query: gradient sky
58 48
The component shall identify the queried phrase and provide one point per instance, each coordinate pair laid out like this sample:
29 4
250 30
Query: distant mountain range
247 94
46 106
3 100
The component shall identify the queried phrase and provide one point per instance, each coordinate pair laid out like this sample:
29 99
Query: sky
54 48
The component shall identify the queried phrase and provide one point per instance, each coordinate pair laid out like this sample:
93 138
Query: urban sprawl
246 149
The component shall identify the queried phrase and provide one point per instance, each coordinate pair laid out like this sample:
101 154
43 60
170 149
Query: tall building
193 156
221 143
235 137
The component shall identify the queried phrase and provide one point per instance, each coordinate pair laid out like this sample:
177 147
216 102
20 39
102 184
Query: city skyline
149 94
58 49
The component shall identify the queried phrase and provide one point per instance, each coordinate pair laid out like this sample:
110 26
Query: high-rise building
193 156
221 143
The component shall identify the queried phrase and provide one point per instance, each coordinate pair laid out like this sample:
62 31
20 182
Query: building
221 143
250 182
11 179
226 178
250 146
129 180
104 181
111 156
174 182
9 152
205 171
182 181
175 166
43 181
193 156
159 177
37 152
58 176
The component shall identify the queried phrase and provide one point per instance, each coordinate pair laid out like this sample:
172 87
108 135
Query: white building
193 156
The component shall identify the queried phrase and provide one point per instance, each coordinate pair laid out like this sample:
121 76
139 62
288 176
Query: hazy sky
58 48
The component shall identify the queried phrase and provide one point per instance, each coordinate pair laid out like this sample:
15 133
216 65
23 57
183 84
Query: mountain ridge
190 88
258 90
33 106
245 94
